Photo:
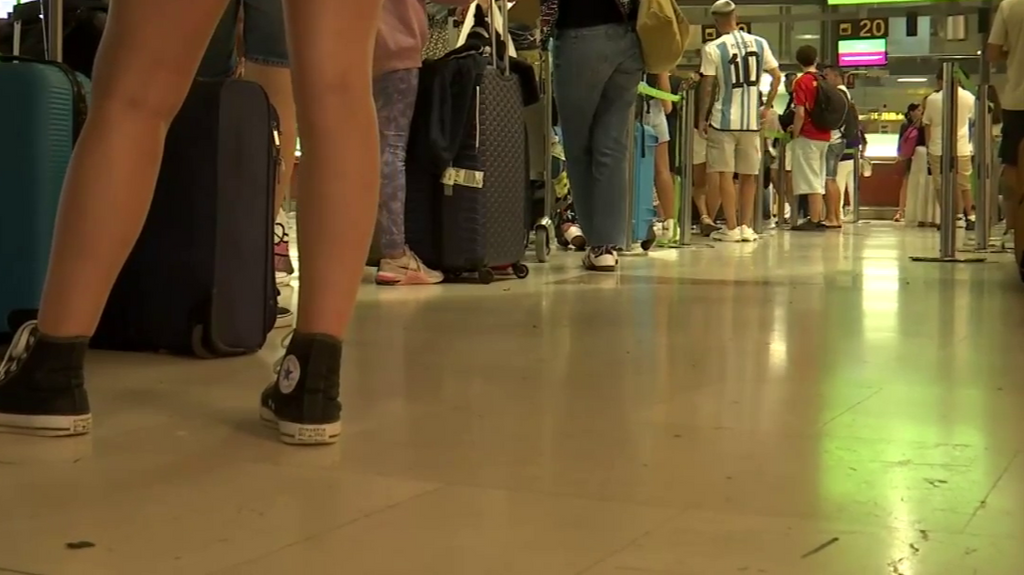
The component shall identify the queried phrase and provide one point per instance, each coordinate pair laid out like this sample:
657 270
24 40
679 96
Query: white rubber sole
46 425
302 434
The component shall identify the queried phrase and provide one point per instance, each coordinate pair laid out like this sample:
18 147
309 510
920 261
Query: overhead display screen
864 52
837 2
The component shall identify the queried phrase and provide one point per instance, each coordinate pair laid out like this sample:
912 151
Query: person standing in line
810 143
705 187
737 61
963 147
397 59
836 148
597 68
655 116
911 118
262 57
115 165
1006 42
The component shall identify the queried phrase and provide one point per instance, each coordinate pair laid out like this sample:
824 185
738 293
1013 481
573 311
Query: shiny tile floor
813 404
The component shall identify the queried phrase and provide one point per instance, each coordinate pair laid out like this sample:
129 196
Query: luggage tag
453 176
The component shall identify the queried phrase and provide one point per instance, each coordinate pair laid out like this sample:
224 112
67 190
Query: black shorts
1013 134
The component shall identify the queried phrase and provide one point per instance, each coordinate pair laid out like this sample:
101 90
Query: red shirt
805 92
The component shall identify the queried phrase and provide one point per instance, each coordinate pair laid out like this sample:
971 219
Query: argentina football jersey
739 61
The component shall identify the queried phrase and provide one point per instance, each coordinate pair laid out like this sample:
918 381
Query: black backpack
851 125
830 106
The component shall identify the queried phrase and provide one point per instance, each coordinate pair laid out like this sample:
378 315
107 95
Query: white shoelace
285 341
18 349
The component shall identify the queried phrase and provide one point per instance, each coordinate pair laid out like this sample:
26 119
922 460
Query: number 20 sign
863 28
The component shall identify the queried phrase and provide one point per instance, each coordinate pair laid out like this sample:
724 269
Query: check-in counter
880 194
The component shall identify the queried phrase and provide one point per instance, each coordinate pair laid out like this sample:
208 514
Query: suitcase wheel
485 275
521 270
199 343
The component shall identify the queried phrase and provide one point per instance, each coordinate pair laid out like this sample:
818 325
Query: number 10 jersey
738 60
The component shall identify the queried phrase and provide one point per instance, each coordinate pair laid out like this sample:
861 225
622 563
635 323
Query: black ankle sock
56 360
319 356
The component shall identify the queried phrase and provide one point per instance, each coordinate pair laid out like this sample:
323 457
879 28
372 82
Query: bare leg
278 84
748 191
714 196
331 46
832 210
663 182
815 207
728 196
110 181
700 190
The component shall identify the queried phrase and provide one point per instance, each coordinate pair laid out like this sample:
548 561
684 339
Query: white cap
723 7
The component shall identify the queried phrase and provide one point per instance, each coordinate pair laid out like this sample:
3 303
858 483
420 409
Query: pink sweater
403 34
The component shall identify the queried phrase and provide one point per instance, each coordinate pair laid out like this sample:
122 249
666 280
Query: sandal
899 216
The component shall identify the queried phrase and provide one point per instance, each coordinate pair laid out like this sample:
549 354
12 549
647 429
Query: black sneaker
971 223
284 317
304 402
42 386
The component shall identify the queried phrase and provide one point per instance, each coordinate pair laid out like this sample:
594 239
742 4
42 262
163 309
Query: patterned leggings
395 94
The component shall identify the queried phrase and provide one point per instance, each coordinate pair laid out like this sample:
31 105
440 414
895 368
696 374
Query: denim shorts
263 33
832 158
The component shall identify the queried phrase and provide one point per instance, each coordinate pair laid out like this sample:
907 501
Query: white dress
922 203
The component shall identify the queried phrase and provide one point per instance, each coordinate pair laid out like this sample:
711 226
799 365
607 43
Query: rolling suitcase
200 278
43 106
478 216
645 141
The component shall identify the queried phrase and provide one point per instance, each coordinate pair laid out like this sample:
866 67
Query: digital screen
839 2
863 52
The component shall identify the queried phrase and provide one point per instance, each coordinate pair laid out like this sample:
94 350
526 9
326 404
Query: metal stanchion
757 215
982 145
947 232
627 244
684 165
947 236
855 192
794 201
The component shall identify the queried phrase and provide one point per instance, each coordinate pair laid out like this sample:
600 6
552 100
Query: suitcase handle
499 8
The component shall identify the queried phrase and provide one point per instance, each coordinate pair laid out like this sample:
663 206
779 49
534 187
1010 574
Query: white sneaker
1008 241
723 235
282 279
601 259
747 234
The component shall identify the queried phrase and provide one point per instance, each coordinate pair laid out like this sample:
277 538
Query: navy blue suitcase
200 278
44 105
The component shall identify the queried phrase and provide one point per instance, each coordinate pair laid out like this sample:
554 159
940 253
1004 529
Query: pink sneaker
407 270
283 268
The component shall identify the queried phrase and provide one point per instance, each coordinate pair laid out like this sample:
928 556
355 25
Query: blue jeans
596 72
263 33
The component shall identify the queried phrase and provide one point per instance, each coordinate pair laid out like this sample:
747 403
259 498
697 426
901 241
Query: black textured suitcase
478 213
200 278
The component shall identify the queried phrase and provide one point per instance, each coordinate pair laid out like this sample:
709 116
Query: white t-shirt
837 135
964 115
738 60
1008 32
